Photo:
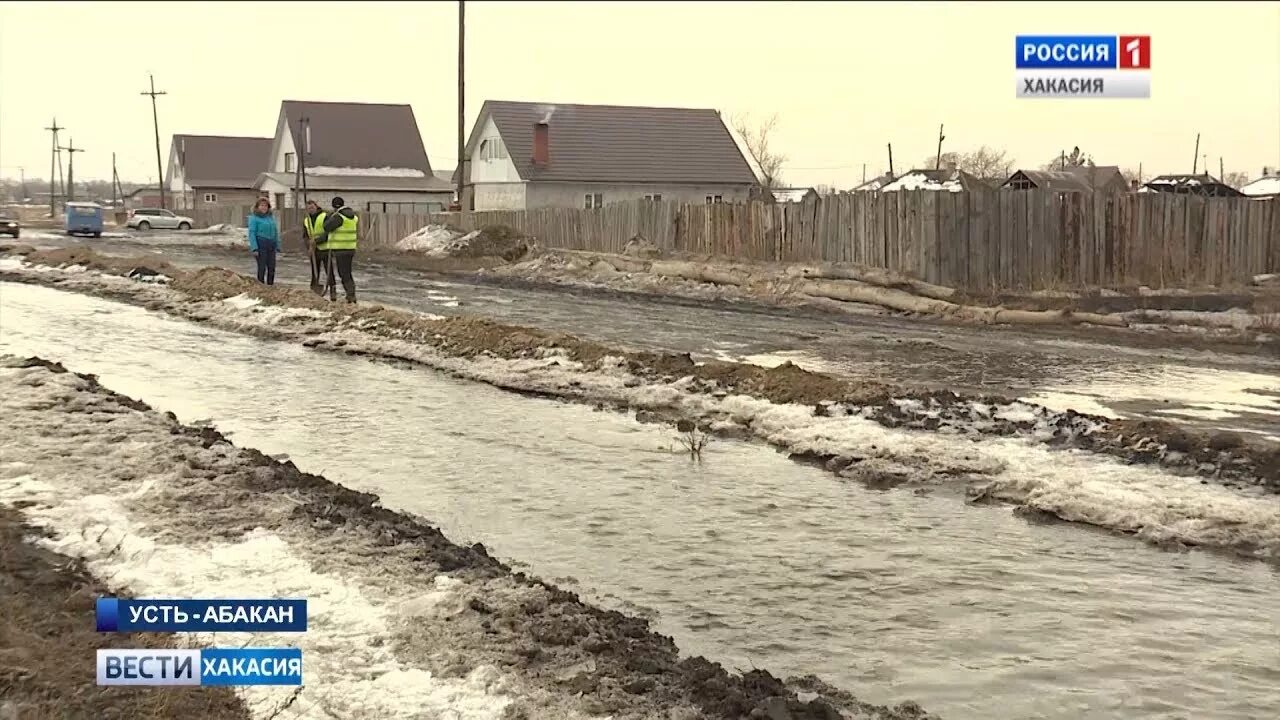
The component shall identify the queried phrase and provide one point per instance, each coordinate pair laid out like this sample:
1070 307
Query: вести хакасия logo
1083 66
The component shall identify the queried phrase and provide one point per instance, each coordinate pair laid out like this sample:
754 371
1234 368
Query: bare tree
1236 179
1068 160
767 160
986 162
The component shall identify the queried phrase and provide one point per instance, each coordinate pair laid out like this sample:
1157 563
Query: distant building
211 170
525 155
1088 178
794 195
1265 187
874 184
143 197
1204 184
944 180
369 154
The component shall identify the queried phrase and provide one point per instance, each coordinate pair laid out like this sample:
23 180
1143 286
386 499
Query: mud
577 656
48 642
1237 462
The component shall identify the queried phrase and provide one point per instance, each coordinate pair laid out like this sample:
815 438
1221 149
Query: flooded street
1079 371
748 557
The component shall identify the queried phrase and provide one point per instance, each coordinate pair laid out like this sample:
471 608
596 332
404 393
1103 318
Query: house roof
351 183
944 179
792 194
221 161
1202 184
1263 187
613 143
874 184
359 135
1051 180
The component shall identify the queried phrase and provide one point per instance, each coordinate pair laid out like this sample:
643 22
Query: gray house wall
573 195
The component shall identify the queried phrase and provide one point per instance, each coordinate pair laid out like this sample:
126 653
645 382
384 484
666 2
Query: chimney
541 144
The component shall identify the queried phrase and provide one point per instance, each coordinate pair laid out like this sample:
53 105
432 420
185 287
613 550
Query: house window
493 149
656 197
288 162
715 199
211 197
594 201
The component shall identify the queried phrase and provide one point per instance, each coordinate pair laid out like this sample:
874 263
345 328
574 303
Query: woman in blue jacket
264 240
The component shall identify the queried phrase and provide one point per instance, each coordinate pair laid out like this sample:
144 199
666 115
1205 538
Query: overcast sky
844 78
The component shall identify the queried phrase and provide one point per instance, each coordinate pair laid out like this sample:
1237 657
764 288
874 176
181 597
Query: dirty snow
386 172
1079 486
436 241
72 477
219 229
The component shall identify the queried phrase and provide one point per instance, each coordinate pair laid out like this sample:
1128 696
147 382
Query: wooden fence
998 240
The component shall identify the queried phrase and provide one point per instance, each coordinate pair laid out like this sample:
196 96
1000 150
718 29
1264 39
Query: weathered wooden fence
975 240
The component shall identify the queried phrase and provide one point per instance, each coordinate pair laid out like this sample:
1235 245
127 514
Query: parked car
84 218
10 226
157 219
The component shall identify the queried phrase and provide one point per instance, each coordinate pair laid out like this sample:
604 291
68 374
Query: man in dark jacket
339 240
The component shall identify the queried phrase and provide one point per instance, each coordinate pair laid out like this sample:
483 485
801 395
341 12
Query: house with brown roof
370 154
1087 178
525 155
1203 184
210 170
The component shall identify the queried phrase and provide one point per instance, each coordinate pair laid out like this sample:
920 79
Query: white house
212 170
1265 187
525 155
369 154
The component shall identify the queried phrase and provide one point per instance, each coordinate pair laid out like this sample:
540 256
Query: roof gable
620 144
359 135
221 161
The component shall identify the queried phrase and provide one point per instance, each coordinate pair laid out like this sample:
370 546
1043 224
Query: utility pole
22 173
117 192
304 136
864 172
71 168
1222 173
937 164
53 165
1195 161
891 161
155 118
462 116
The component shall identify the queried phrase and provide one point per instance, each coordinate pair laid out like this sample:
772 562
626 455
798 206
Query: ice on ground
386 172
350 665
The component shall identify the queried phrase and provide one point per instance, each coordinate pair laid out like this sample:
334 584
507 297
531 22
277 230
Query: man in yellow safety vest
339 242
313 229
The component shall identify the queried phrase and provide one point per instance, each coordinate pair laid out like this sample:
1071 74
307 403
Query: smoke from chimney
547 111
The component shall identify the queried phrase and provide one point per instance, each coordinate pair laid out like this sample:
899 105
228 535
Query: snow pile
437 241
128 527
219 229
383 172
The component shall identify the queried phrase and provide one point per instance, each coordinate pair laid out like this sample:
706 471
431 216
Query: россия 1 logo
1083 66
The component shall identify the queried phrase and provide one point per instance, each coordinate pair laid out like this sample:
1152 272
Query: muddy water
747 558
1060 369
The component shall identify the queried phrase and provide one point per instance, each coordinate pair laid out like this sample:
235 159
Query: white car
157 219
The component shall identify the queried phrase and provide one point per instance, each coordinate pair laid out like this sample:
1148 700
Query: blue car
84 218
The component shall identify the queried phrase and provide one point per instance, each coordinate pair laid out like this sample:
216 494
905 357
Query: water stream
747 558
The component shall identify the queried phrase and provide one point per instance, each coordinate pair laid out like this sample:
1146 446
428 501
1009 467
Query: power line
71 150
